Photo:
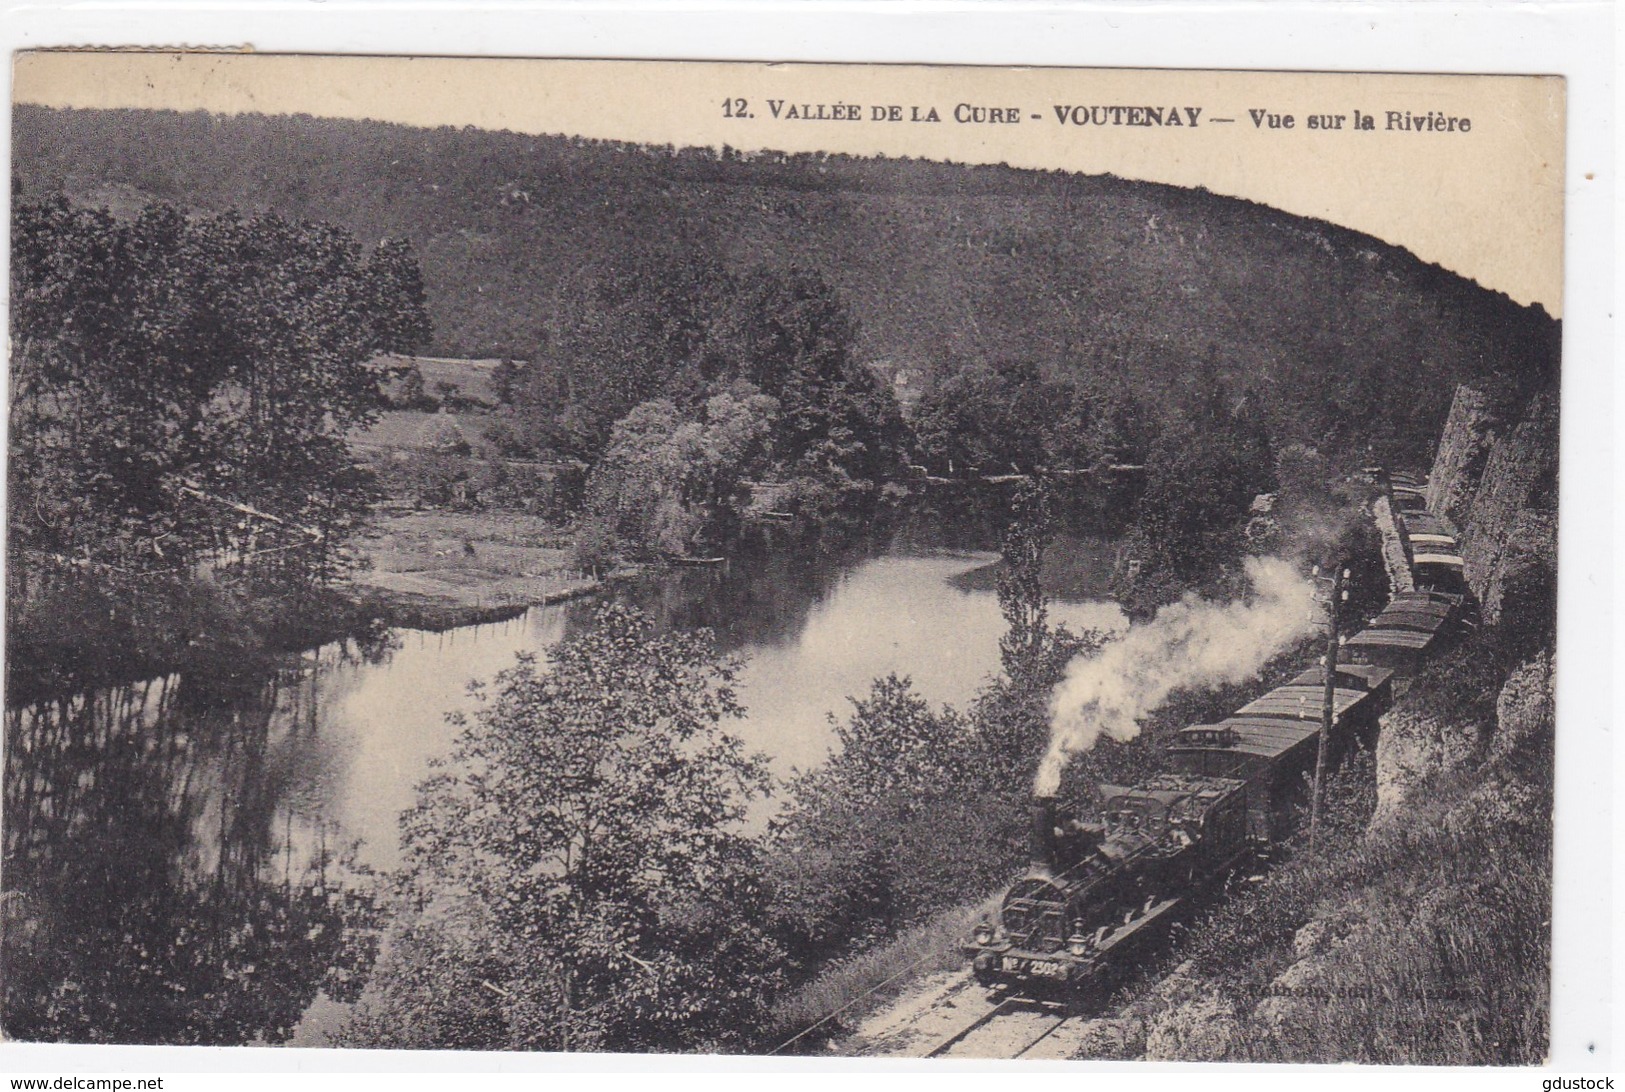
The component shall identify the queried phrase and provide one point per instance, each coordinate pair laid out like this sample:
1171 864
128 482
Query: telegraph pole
1329 697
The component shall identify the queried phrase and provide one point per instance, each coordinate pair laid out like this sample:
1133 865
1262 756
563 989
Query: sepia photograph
793 560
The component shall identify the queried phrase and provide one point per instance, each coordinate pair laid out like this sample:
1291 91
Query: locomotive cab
1097 892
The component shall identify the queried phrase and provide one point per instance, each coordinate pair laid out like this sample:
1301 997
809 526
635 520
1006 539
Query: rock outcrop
1468 433
1496 480
1525 709
1413 748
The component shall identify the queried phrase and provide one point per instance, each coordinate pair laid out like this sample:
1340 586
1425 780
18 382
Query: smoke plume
1189 643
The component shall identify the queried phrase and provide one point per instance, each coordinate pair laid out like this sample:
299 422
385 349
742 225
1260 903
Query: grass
439 569
844 992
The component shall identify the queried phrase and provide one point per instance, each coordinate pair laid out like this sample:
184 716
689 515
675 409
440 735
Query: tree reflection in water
165 880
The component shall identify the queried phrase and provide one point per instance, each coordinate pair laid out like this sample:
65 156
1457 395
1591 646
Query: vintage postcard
781 559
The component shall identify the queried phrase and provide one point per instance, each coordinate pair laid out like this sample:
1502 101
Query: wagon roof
1420 621
1369 677
1413 599
1269 738
1398 638
1454 561
1417 603
1301 702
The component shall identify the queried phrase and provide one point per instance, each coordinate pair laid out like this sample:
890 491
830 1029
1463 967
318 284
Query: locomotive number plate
1047 967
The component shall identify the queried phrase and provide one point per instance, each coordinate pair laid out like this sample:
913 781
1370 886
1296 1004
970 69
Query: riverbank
436 570
418 570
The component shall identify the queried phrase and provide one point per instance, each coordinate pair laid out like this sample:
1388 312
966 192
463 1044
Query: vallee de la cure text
1086 116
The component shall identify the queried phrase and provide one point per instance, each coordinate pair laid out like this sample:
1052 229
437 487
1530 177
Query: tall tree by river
182 388
167 356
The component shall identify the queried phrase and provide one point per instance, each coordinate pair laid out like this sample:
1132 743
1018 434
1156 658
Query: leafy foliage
622 333
679 381
667 483
1010 415
167 360
899 822
585 832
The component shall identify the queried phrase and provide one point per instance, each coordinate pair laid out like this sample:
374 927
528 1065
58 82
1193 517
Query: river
186 858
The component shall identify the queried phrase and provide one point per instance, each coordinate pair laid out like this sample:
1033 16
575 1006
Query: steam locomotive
1094 892
1099 895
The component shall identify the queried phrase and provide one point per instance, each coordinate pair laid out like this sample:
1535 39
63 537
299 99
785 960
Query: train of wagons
1100 894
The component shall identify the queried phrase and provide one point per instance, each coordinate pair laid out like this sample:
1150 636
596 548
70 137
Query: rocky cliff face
1468 434
1496 479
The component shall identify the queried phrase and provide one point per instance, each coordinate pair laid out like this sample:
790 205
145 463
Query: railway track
1007 1029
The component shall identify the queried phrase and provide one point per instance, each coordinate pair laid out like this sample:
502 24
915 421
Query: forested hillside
1330 337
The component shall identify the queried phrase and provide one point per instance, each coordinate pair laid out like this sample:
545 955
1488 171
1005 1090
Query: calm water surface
181 854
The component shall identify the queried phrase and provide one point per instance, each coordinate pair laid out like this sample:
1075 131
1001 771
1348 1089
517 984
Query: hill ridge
940 262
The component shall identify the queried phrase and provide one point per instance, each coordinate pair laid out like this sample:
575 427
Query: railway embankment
1417 930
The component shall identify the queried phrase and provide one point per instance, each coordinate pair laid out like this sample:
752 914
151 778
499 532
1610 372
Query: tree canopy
585 838
666 481
168 368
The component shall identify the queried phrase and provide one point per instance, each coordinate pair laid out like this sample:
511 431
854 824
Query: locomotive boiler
1097 892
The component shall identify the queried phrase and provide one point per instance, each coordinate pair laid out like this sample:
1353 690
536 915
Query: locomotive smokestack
1041 839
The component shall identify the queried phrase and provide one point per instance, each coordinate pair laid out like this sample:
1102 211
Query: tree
505 380
587 829
621 335
1020 581
667 481
172 358
1012 714
413 394
791 335
897 823
398 303
996 416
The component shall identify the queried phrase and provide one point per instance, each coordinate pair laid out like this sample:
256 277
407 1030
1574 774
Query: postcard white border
1572 38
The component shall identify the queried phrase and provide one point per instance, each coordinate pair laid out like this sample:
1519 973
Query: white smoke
1189 643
